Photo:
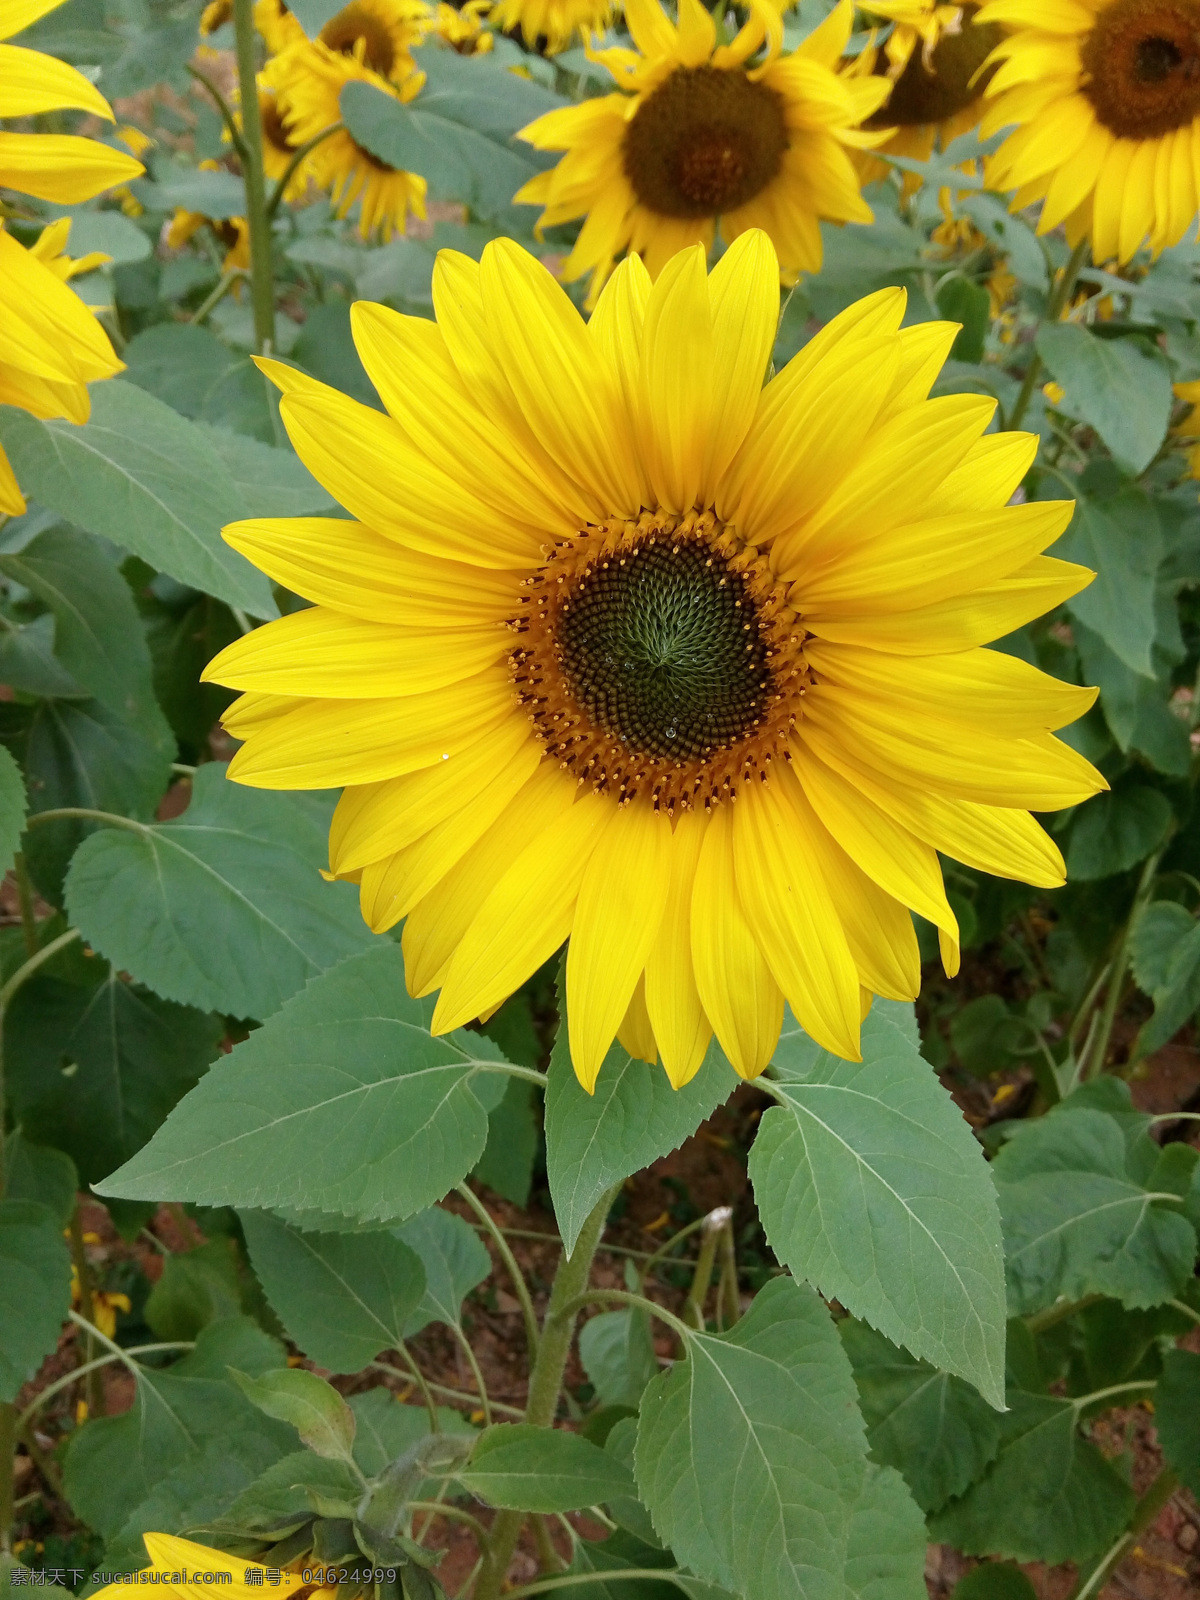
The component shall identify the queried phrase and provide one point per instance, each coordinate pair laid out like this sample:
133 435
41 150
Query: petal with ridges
681 1029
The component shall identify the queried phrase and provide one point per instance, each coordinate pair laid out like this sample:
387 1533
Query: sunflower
231 232
51 347
381 34
181 1568
934 60
311 79
554 23
603 583
1107 97
278 147
695 137
462 28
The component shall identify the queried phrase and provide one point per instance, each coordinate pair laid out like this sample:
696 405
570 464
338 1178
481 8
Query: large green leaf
1115 831
1079 1217
12 808
35 1290
28 663
542 1469
39 1172
506 1165
144 477
114 1464
871 1185
455 1262
223 908
1120 539
1166 959
1048 1496
885 1555
1117 386
343 1297
95 1070
303 1399
1137 708
595 1140
751 1454
618 1355
271 481
1177 1415
198 376
385 1427
932 1427
341 1102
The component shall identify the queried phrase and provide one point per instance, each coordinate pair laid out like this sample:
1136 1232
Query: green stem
262 286
1116 983
484 1398
29 925
227 281
668 1245
1145 1512
288 173
428 1388
546 1377
1085 1400
1060 294
65 1382
622 1297
693 1309
8 1451
226 110
110 818
1052 1315
504 1250
1180 1305
438 1508
568 1579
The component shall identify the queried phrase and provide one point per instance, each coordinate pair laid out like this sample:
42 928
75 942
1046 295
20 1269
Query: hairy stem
262 286
504 1250
545 1380
1145 1512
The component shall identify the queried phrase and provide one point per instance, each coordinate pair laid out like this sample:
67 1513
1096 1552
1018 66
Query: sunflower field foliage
582 582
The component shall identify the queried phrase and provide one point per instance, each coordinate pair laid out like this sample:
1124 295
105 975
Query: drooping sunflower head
700 135
629 648
462 27
311 78
1107 99
554 24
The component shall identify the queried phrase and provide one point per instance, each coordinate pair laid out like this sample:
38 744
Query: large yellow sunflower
184 1570
556 23
934 59
311 79
51 346
602 585
697 137
1107 97
381 34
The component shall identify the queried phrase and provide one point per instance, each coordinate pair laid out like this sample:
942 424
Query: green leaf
271 481
933 1428
506 1165
35 1290
1177 996
198 376
1177 1415
1136 708
110 232
216 194
341 1102
387 1428
1078 1218
142 476
197 1287
12 808
872 1186
617 1554
1119 538
962 300
94 1071
115 1464
618 1355
750 1453
595 1140
286 1488
343 1297
526 1468
1114 831
182 904
1116 386
28 663
1158 933
455 1262
1049 1495
314 1408
994 1581
38 1172
885 1556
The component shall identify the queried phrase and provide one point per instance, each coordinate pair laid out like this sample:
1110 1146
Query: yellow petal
635 1034
327 655
790 910
621 898
324 744
31 83
616 326
744 291
45 329
374 820
681 1029
12 502
61 167
676 381
22 14
741 999
525 918
353 569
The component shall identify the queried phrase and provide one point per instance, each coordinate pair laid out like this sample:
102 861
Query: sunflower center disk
1142 67
936 86
355 30
660 657
706 141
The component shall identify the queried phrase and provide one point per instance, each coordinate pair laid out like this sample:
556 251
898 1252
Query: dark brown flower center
1141 62
937 86
274 130
356 22
704 142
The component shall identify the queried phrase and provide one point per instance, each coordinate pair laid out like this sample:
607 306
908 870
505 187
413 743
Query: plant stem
65 1382
1041 1320
226 110
87 1307
547 1555
227 281
693 1310
624 1298
1180 1305
262 286
1145 1512
568 1579
1055 305
8 1451
289 171
25 896
504 1250
729 1306
545 1379
1116 983
60 813
484 1399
